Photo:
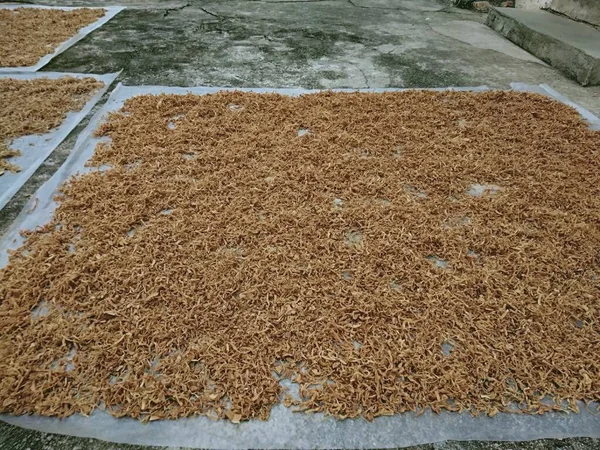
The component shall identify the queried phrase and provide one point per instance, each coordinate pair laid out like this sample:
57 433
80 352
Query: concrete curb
561 55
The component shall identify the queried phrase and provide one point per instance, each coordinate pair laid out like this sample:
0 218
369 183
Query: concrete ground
293 43
569 46
14 438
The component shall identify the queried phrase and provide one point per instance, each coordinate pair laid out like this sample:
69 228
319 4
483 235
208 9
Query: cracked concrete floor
292 43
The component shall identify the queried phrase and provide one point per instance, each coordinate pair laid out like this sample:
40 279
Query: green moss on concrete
332 74
189 47
408 70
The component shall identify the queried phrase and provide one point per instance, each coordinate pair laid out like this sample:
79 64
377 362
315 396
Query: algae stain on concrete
195 50
414 72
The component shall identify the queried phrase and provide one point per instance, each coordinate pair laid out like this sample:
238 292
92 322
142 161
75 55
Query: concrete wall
586 10
532 4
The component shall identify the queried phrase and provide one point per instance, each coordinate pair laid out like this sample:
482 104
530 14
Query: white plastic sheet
36 148
284 429
111 12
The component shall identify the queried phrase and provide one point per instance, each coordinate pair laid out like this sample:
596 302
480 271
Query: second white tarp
36 148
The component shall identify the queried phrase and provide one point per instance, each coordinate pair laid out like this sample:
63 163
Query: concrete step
571 47
584 10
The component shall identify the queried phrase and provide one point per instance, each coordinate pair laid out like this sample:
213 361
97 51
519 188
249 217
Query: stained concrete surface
292 43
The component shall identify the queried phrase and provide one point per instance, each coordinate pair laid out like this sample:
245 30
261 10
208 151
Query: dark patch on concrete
130 42
332 74
169 10
411 70
198 47
314 44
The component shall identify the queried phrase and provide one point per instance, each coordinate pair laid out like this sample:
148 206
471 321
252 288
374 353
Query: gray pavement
14 438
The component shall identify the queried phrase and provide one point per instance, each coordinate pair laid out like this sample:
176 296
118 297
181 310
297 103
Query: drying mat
37 147
284 429
111 12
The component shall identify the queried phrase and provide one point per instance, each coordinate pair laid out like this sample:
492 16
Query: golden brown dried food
28 34
37 106
387 252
